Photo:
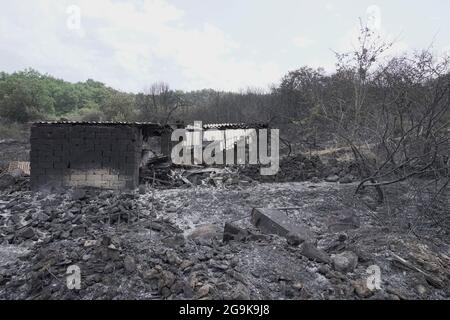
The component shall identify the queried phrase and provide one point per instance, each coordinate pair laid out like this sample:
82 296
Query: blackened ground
167 244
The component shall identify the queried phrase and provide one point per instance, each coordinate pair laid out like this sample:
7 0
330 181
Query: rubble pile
13 181
166 175
299 167
122 248
202 243
13 150
293 168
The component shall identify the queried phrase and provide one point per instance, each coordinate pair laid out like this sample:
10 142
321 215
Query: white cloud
126 44
302 41
329 6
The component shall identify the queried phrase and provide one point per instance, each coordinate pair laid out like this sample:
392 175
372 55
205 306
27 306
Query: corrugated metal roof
223 126
109 123
219 126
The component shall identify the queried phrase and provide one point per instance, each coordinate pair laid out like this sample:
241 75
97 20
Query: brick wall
85 155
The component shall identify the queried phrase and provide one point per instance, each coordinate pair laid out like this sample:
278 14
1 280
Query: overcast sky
195 44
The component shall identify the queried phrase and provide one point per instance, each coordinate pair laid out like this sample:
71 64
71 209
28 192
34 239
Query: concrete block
276 222
78 177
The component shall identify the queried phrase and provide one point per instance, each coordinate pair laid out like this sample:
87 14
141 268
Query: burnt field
193 237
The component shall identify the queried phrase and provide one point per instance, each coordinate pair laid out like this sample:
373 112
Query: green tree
118 106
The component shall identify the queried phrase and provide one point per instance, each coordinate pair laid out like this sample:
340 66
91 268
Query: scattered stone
313 253
349 222
315 180
332 178
142 189
240 292
167 279
129 264
205 232
109 268
361 289
421 289
345 261
298 285
348 178
90 243
186 264
276 222
27 233
173 258
174 242
171 209
41 216
6 180
293 239
203 291
78 194
232 232
78 231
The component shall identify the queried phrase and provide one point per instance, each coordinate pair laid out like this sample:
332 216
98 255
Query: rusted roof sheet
223 126
217 126
111 123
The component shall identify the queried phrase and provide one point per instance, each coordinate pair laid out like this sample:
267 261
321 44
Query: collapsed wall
85 155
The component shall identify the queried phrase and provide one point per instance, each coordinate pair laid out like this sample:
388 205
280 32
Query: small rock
298 285
175 242
78 194
186 264
165 292
90 243
323 269
129 264
42 217
167 279
345 261
240 292
203 291
171 209
207 231
293 239
142 189
27 233
78 231
151 274
421 289
232 232
312 252
109 268
348 178
173 258
86 257
332 178
361 289
6 181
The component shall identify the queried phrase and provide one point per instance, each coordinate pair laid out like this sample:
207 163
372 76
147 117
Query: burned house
90 154
107 155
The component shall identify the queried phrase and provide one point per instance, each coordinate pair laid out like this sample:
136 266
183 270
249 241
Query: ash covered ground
168 244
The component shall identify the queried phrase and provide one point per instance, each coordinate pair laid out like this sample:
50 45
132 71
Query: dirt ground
167 244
